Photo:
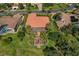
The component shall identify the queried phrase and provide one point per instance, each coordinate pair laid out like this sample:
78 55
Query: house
39 5
15 6
37 23
65 20
8 23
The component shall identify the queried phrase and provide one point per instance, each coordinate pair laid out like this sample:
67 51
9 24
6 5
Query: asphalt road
49 11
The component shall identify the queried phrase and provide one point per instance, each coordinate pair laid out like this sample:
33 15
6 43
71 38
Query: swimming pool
3 29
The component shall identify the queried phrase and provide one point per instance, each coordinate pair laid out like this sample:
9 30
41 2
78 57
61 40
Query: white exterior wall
15 7
11 30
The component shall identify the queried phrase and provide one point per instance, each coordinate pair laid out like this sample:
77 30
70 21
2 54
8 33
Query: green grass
55 7
30 8
17 47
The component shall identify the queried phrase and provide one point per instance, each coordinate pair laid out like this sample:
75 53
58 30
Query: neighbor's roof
15 4
37 21
66 20
10 21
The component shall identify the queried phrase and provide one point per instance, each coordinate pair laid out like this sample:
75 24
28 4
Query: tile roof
66 20
10 21
37 21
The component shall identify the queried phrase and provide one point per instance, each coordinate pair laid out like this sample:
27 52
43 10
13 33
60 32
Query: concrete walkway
38 40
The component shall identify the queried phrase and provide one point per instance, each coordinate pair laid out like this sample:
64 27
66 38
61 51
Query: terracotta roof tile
37 21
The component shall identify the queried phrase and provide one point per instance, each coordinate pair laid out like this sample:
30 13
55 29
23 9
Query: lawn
30 8
55 6
18 47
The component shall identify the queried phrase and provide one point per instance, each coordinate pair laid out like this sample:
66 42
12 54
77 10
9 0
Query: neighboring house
39 5
37 23
24 4
8 23
15 6
65 20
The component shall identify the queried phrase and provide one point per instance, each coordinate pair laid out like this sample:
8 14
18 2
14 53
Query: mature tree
21 6
62 44
50 51
57 16
51 27
59 7
63 6
3 6
73 19
76 5
7 40
21 32
66 29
